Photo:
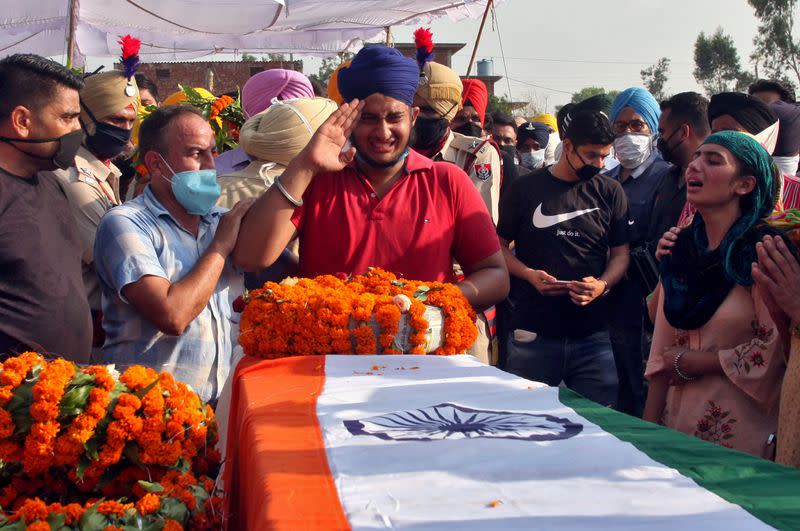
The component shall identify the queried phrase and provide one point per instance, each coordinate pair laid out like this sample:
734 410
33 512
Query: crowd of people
620 248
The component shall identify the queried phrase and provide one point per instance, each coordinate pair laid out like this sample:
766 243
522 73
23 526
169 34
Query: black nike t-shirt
565 229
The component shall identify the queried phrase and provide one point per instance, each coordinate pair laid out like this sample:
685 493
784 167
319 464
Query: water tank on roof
485 67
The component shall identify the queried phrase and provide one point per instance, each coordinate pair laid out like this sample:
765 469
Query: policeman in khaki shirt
109 103
439 100
438 97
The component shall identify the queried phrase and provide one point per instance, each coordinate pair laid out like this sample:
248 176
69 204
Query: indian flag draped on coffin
429 442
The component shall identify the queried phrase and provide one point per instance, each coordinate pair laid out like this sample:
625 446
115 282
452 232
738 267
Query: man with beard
109 103
376 202
569 231
634 115
439 98
682 128
42 297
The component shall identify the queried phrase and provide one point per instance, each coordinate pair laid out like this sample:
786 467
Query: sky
553 49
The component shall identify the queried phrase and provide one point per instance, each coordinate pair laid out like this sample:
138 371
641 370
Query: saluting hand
325 151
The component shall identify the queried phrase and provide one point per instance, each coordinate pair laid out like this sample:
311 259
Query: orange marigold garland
69 445
78 436
328 315
47 393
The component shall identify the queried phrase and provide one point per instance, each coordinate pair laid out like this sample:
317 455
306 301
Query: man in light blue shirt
162 260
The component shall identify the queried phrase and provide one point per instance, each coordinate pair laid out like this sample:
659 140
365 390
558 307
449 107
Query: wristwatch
605 291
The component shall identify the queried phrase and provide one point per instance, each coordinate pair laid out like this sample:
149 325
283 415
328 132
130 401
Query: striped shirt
142 238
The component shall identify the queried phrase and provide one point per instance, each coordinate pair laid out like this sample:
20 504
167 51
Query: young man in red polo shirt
376 203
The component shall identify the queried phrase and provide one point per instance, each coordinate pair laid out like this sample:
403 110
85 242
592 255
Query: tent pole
73 23
388 30
478 38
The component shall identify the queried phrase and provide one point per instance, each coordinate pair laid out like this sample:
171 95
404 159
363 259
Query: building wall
218 77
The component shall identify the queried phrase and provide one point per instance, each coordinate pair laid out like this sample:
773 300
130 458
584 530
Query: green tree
498 104
249 58
329 64
654 78
588 92
716 64
777 49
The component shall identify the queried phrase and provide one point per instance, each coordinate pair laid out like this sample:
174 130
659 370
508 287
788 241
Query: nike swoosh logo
540 221
631 222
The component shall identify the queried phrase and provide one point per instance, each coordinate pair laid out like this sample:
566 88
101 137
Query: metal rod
73 24
388 35
478 38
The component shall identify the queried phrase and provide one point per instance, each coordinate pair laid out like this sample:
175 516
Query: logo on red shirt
483 171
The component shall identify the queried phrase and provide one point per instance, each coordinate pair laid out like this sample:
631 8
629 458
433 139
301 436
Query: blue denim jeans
585 365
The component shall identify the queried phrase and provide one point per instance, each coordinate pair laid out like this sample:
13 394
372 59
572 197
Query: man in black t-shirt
43 304
569 228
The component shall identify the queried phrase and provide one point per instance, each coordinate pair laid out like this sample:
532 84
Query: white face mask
532 159
632 149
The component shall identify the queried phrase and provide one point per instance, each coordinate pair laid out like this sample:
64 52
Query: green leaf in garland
144 390
83 464
74 401
174 509
93 520
200 495
19 525
150 486
183 466
57 520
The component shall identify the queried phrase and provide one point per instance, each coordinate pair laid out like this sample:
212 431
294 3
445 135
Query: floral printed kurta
789 425
737 409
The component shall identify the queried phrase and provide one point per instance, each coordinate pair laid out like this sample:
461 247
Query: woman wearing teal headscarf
718 353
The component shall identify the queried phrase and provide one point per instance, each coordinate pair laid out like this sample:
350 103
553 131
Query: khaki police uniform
480 160
92 189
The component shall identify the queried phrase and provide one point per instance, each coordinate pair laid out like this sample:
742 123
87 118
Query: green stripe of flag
768 491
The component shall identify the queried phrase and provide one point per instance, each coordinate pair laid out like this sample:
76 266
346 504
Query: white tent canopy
187 29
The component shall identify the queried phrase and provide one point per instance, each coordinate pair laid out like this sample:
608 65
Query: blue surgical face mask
532 159
196 190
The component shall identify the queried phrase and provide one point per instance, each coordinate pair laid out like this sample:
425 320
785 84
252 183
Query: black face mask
64 156
470 129
511 151
108 140
585 172
668 153
428 132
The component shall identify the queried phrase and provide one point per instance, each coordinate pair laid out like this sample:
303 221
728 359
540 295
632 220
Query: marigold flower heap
332 315
81 448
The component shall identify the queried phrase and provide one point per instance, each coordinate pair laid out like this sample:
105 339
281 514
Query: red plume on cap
423 41
130 54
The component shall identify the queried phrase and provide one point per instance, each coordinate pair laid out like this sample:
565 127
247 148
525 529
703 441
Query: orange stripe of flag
276 455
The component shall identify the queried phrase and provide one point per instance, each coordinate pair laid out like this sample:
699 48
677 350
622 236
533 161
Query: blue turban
640 101
382 70
537 130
